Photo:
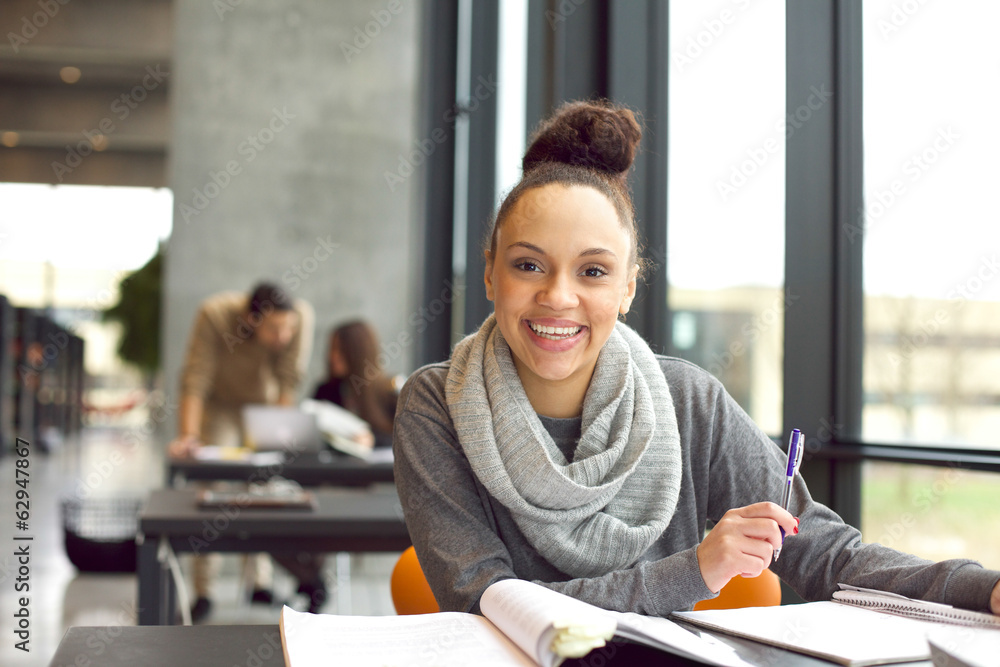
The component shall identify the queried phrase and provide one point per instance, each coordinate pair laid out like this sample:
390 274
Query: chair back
763 590
411 594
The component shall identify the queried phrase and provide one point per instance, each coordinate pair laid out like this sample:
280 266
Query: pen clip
795 450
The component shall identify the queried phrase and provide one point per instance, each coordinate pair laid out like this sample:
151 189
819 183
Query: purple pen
795 450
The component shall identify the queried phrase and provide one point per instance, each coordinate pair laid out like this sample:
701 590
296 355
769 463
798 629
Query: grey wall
337 118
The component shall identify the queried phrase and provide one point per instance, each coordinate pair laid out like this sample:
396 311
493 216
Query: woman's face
559 278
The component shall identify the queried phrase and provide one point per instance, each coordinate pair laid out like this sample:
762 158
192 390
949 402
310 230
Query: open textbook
522 624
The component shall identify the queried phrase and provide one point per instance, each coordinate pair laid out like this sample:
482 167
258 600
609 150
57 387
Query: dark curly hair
590 143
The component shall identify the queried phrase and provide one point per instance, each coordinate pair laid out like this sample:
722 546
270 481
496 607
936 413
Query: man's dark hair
267 298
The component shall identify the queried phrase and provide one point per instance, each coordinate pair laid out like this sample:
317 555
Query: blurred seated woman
356 380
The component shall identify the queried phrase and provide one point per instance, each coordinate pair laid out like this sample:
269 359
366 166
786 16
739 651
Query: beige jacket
227 368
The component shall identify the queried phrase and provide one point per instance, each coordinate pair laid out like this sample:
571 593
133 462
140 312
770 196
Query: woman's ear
488 274
629 291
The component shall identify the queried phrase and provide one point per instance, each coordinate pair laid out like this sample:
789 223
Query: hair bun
598 135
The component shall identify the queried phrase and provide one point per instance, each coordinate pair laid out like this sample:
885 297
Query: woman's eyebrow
524 244
589 252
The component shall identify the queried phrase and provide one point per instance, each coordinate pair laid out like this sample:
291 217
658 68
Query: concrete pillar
287 114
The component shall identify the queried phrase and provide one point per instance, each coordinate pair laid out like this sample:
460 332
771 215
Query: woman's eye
594 272
526 265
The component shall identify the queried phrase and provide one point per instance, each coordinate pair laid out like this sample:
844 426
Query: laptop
280 428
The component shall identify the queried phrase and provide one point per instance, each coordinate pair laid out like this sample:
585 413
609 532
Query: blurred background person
357 381
243 349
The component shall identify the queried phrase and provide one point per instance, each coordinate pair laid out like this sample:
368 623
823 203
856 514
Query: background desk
345 520
180 646
260 645
307 468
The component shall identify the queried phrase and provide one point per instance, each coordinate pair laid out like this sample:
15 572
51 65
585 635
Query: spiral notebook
893 603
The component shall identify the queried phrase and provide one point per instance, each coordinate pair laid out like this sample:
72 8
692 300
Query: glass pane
936 513
932 296
726 180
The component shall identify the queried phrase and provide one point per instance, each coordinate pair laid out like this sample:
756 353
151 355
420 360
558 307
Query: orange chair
411 594
763 590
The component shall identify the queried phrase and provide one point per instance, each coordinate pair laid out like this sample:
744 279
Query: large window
931 273
726 175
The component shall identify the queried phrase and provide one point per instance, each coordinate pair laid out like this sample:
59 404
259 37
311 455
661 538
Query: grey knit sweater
466 540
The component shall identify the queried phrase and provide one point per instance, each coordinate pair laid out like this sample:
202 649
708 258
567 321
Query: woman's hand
742 543
364 438
995 600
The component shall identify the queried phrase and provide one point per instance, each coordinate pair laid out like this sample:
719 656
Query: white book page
841 633
528 614
446 639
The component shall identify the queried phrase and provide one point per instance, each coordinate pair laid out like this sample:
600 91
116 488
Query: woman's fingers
743 542
767 511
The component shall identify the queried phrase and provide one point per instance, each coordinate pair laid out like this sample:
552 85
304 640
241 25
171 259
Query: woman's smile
555 337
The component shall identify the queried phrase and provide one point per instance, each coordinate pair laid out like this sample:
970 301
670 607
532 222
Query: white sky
937 71
115 228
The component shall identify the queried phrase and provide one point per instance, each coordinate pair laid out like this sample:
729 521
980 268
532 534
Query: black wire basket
100 533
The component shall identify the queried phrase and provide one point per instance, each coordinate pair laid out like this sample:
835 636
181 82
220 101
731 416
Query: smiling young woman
554 446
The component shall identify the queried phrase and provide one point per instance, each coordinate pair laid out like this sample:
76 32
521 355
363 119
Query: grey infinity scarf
605 508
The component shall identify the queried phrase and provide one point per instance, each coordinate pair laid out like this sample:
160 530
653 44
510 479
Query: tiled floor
105 463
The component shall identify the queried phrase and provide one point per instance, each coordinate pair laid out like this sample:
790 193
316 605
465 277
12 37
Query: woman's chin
553 373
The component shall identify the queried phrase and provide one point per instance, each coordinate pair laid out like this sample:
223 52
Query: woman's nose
558 293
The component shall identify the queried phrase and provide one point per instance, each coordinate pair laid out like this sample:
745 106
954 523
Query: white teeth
554 332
